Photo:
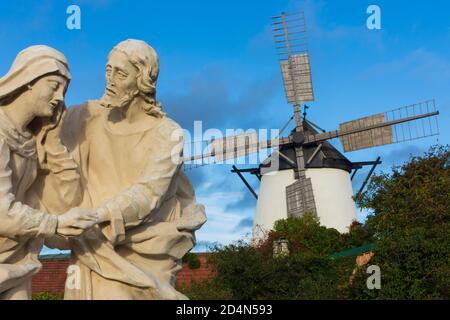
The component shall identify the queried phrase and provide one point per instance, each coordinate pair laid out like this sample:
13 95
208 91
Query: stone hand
75 221
48 136
51 125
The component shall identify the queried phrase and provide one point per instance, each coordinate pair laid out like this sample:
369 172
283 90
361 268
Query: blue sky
218 65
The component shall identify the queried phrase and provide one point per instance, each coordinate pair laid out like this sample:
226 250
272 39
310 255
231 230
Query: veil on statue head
31 64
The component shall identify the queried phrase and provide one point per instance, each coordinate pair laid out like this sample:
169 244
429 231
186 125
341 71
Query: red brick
52 277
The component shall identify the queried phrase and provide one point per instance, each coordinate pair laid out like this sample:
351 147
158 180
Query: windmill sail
368 138
290 41
403 124
217 151
300 198
237 146
297 79
291 44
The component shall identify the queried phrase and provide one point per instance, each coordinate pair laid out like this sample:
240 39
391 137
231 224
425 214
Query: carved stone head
40 72
132 71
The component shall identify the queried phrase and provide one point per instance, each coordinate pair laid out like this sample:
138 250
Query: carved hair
145 59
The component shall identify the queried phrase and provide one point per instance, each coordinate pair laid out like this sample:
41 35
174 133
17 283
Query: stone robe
22 226
153 213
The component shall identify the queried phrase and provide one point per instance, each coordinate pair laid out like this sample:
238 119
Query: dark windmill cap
327 157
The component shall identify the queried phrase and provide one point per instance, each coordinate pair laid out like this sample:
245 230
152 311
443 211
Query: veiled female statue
31 106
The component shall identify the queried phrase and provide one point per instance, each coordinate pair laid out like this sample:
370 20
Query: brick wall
186 275
52 277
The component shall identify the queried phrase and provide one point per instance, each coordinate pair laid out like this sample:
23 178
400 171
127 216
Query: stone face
113 165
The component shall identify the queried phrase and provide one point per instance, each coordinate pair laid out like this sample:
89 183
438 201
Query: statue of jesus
128 152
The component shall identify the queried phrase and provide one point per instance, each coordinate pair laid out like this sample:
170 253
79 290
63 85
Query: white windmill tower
305 173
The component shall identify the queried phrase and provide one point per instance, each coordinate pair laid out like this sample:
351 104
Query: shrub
48 296
411 217
192 261
247 272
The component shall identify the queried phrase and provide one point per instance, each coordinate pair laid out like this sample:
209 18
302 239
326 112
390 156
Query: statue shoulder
167 128
77 120
3 142
82 114
89 109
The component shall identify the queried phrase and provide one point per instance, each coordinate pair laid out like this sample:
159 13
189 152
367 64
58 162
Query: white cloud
419 63
221 224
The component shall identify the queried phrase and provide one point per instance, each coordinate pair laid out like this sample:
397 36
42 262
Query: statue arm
58 185
61 189
18 219
136 203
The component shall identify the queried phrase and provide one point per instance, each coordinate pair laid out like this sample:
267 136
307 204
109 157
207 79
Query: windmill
310 175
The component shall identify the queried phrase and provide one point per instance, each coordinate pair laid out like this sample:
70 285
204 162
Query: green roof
55 256
353 252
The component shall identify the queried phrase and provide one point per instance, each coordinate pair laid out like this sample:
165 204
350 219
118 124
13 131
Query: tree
411 220
250 272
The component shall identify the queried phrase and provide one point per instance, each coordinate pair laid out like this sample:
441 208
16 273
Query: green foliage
415 194
414 263
307 236
192 261
252 272
48 296
412 221
210 289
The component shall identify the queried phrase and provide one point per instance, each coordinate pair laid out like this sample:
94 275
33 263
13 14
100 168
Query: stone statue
31 105
128 153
